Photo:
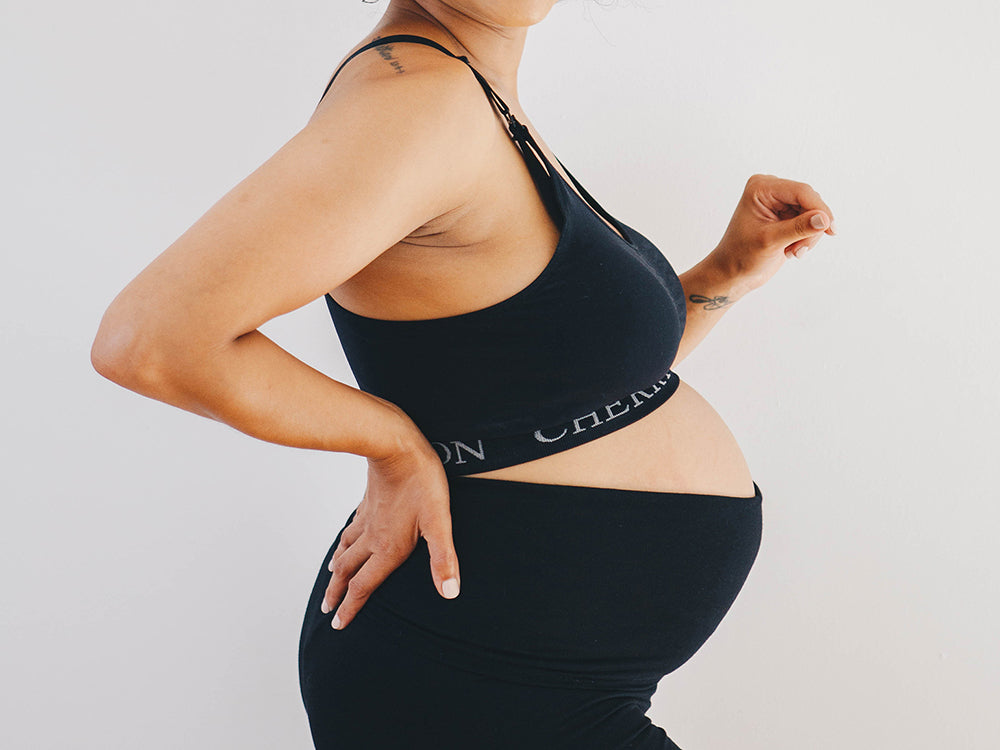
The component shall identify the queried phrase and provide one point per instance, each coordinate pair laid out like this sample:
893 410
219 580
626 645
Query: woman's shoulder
405 66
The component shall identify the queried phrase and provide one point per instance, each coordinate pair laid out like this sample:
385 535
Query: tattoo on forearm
711 303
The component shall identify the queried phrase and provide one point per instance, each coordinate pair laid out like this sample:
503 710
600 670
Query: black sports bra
581 351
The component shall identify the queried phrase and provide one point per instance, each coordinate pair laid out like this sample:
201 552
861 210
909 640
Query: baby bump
683 445
568 585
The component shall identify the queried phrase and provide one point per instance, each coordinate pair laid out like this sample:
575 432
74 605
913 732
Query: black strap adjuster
517 130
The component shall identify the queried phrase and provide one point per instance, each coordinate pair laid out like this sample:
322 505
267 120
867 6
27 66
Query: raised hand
774 220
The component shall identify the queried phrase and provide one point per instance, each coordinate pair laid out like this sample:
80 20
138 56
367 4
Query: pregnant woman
553 519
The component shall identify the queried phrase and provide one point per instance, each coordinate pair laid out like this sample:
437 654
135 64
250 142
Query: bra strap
593 201
520 134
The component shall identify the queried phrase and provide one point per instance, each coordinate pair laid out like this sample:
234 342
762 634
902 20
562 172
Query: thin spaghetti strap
518 131
387 40
542 171
591 200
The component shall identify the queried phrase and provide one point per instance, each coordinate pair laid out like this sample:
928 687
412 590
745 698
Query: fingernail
336 622
324 607
801 251
450 588
818 221
833 227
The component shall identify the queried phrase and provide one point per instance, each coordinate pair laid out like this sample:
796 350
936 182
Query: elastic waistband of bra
468 454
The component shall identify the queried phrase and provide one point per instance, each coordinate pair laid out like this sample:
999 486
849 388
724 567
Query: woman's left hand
775 219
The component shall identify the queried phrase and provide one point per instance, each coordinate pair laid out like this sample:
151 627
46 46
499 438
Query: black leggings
575 601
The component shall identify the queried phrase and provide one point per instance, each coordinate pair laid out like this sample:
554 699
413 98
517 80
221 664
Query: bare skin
359 205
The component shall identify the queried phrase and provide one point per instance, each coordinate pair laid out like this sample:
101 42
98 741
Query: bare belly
681 446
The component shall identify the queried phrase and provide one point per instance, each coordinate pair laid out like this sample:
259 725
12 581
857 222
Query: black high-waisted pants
575 601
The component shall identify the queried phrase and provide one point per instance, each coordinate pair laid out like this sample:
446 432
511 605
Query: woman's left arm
709 291
774 220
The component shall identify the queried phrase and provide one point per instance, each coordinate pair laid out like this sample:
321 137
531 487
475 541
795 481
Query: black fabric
584 349
575 601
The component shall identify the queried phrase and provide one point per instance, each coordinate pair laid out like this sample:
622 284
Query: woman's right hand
406 497
775 219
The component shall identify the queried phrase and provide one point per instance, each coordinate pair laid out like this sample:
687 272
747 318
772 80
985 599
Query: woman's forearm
709 290
258 388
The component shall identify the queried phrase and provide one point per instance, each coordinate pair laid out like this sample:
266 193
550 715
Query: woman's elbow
123 348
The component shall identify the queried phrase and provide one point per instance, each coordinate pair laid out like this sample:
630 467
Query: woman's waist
681 445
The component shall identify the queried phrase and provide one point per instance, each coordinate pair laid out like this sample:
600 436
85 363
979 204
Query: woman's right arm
380 158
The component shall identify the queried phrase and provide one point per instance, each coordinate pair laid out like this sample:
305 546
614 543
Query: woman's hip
564 586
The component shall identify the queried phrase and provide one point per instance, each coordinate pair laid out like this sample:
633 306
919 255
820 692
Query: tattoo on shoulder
385 51
711 303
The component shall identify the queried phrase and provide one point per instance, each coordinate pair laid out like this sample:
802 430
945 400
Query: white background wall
156 565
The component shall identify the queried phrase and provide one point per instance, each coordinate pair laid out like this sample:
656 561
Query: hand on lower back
406 498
